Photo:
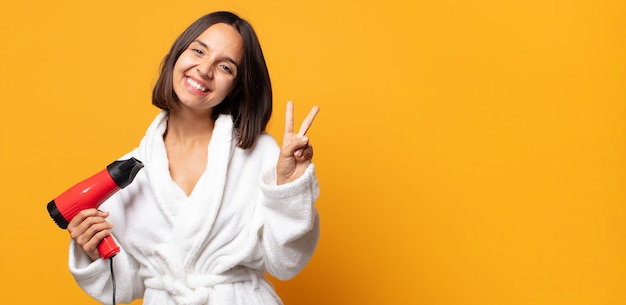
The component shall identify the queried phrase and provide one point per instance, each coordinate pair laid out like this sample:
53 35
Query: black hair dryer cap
123 172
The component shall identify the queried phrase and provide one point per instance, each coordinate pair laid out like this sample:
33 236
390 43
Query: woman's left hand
296 152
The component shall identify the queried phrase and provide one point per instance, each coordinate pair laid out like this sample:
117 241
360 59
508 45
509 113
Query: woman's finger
289 118
308 121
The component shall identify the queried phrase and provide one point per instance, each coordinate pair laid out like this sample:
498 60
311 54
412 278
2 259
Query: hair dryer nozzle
123 172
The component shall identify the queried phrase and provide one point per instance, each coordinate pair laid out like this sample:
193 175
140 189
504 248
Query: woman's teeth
195 85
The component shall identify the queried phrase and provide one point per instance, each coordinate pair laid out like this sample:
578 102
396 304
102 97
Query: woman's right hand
88 228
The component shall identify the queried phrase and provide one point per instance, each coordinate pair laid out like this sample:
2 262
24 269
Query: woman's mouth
193 84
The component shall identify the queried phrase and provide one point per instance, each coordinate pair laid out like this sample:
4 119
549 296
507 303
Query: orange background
469 152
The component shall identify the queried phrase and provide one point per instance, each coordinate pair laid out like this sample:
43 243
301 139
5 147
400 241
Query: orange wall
469 152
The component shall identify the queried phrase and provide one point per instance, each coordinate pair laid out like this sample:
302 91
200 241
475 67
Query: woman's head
250 100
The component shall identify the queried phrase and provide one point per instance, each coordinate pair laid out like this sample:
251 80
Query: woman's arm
94 277
291 223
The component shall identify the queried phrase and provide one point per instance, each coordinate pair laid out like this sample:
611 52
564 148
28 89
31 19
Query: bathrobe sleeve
95 277
291 223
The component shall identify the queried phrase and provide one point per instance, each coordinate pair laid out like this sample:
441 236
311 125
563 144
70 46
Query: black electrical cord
112 278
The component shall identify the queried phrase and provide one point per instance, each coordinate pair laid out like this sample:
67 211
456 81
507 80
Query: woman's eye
197 51
226 68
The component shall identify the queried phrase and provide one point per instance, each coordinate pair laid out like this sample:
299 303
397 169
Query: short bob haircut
250 101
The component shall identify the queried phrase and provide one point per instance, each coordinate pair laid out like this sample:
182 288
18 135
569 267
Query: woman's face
206 71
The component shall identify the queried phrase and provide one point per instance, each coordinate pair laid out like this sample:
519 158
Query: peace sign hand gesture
296 152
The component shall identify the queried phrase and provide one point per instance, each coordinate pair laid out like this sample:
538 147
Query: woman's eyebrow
201 43
204 45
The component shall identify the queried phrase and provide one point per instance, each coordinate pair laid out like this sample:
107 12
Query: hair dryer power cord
112 278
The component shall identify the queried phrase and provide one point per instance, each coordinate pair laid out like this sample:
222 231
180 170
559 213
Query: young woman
218 203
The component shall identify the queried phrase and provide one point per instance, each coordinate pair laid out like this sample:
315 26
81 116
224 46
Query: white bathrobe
214 246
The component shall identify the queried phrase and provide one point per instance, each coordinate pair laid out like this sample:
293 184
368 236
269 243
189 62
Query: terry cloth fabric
215 245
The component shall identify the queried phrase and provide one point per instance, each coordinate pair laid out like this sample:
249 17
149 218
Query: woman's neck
187 127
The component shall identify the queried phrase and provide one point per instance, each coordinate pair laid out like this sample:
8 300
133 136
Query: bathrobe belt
194 288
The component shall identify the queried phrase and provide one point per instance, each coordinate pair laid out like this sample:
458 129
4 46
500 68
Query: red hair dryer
91 193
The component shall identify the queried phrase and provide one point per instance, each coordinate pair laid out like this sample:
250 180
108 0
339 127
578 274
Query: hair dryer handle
108 247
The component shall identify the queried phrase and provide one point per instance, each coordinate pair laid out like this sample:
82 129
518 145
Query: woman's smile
196 85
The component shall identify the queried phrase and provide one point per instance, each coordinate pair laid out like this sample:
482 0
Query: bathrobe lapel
192 218
196 223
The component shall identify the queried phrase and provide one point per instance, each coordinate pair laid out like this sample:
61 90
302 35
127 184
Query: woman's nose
205 69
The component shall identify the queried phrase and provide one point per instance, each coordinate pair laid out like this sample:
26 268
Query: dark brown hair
250 101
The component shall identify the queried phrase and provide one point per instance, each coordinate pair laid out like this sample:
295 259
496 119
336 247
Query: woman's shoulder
265 144
265 139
